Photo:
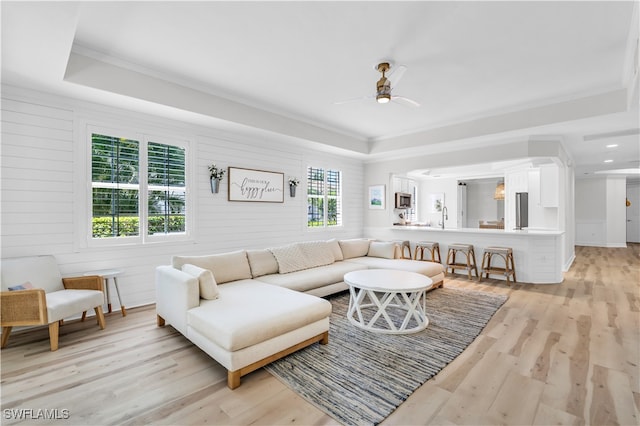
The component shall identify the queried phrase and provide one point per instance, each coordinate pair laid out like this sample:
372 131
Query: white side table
108 274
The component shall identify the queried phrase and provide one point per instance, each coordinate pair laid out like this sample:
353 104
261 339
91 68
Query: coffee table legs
364 302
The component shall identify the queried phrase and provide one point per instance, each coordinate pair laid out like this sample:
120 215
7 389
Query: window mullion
326 199
144 189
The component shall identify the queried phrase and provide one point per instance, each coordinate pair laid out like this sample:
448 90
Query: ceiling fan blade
348 101
405 101
396 74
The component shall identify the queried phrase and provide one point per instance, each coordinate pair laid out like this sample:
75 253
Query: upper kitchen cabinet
549 185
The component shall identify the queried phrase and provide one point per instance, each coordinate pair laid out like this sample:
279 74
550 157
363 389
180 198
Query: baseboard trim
611 245
569 262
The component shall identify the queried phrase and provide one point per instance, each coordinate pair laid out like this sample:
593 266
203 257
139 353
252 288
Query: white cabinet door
549 184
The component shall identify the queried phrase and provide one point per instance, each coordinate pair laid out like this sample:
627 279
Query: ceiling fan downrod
383 86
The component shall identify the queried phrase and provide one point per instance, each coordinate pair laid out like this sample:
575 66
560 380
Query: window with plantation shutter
115 183
166 188
138 188
324 198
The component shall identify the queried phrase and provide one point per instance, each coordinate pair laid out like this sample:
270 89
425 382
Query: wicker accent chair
47 298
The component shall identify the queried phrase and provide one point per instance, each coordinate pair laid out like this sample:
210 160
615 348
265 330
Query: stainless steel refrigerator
522 210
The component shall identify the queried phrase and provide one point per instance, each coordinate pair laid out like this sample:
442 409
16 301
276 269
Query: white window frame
143 138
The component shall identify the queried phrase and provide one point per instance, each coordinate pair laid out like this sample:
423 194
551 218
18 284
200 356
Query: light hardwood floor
553 354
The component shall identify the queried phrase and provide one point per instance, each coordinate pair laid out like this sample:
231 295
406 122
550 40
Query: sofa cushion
262 262
310 279
249 312
65 303
41 271
317 253
429 269
385 250
206 281
226 267
354 248
334 246
290 258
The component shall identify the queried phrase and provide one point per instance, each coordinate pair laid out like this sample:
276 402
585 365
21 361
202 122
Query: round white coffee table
376 293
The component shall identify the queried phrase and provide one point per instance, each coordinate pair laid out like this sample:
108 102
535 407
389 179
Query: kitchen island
537 253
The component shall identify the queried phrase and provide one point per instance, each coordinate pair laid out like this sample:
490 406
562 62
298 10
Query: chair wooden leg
450 253
513 266
84 315
160 321
415 253
54 329
6 331
100 316
475 263
325 338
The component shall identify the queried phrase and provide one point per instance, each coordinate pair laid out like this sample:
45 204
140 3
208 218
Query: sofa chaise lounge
248 308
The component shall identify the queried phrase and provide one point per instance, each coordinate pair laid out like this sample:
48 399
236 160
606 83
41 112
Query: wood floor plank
451 376
564 354
517 401
473 397
421 407
548 416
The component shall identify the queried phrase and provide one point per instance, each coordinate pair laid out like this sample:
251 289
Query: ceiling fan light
383 98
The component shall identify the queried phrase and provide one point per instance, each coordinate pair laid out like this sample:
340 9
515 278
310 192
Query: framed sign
376 197
255 185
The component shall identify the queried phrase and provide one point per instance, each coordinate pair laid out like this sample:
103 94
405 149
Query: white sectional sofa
248 308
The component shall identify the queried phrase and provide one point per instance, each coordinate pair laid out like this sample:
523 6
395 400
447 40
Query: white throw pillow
385 250
357 247
262 262
206 281
335 249
290 258
317 253
225 267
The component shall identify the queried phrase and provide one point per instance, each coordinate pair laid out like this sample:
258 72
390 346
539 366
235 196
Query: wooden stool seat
431 247
509 269
404 245
470 258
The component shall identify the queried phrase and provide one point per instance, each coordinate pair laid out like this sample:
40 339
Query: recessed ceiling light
612 145
608 161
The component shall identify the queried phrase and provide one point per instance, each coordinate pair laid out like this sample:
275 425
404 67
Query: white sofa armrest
176 293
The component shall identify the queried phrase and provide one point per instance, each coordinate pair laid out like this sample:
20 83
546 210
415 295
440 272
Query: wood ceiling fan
383 87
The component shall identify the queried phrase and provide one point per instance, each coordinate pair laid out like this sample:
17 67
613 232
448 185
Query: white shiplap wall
40 158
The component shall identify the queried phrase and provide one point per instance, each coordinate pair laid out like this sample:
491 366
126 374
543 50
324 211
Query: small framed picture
436 202
376 197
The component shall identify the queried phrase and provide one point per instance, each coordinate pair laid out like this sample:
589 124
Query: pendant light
499 194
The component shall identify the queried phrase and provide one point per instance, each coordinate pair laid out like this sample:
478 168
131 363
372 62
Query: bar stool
431 247
404 244
506 253
470 258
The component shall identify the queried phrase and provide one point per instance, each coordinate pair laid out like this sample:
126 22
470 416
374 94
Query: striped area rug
360 377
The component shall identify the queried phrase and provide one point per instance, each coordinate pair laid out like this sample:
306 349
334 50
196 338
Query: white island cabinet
538 254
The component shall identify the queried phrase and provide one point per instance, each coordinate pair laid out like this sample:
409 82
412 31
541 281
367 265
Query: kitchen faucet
445 215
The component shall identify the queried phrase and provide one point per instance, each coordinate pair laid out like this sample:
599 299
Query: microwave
403 200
